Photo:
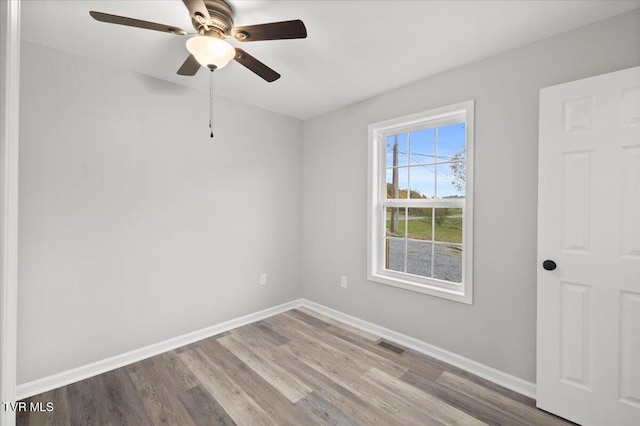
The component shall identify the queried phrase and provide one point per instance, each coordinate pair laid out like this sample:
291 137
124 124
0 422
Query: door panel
576 191
588 361
631 202
575 348
629 348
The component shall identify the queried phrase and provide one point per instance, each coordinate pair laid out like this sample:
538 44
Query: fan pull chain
211 102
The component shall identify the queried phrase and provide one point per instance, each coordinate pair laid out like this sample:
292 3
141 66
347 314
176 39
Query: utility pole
394 185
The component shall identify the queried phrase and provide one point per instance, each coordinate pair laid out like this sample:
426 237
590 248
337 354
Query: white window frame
377 202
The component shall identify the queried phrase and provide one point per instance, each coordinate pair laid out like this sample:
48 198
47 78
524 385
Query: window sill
428 286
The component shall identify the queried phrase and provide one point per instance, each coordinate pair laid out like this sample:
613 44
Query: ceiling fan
213 22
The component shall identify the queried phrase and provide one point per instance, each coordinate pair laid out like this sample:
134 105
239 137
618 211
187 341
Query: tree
440 216
458 167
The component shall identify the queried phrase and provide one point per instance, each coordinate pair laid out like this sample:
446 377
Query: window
420 202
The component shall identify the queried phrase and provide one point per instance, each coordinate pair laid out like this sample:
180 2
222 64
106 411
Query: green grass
449 230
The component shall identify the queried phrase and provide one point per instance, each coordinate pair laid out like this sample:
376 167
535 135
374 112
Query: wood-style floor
295 368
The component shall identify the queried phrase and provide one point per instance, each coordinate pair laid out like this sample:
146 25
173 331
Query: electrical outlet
263 279
343 281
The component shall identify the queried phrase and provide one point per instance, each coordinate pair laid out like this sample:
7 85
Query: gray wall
499 328
135 226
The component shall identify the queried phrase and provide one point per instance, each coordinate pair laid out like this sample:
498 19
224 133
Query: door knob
549 265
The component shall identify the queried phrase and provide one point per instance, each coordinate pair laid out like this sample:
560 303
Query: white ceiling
354 49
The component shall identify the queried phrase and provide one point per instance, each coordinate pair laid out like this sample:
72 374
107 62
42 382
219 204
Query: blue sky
416 159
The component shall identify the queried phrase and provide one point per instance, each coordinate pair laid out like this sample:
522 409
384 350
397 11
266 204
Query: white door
588 360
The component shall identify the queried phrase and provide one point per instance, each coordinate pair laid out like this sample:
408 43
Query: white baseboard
496 376
66 377
54 381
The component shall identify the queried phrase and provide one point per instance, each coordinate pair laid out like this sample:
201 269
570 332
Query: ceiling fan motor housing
221 21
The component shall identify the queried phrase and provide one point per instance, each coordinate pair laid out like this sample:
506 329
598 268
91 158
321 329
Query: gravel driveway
447 265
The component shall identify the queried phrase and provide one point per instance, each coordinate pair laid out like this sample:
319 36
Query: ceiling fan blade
189 67
130 22
197 7
256 66
272 31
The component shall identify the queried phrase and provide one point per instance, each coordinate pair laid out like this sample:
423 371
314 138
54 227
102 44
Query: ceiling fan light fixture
211 52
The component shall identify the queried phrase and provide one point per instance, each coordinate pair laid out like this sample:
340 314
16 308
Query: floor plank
260 390
345 400
269 333
203 408
471 406
435 408
275 375
321 411
240 406
335 323
366 359
157 394
295 368
346 375
123 402
529 415
368 342
85 398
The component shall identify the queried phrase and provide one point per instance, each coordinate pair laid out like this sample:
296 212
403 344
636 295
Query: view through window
427 164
